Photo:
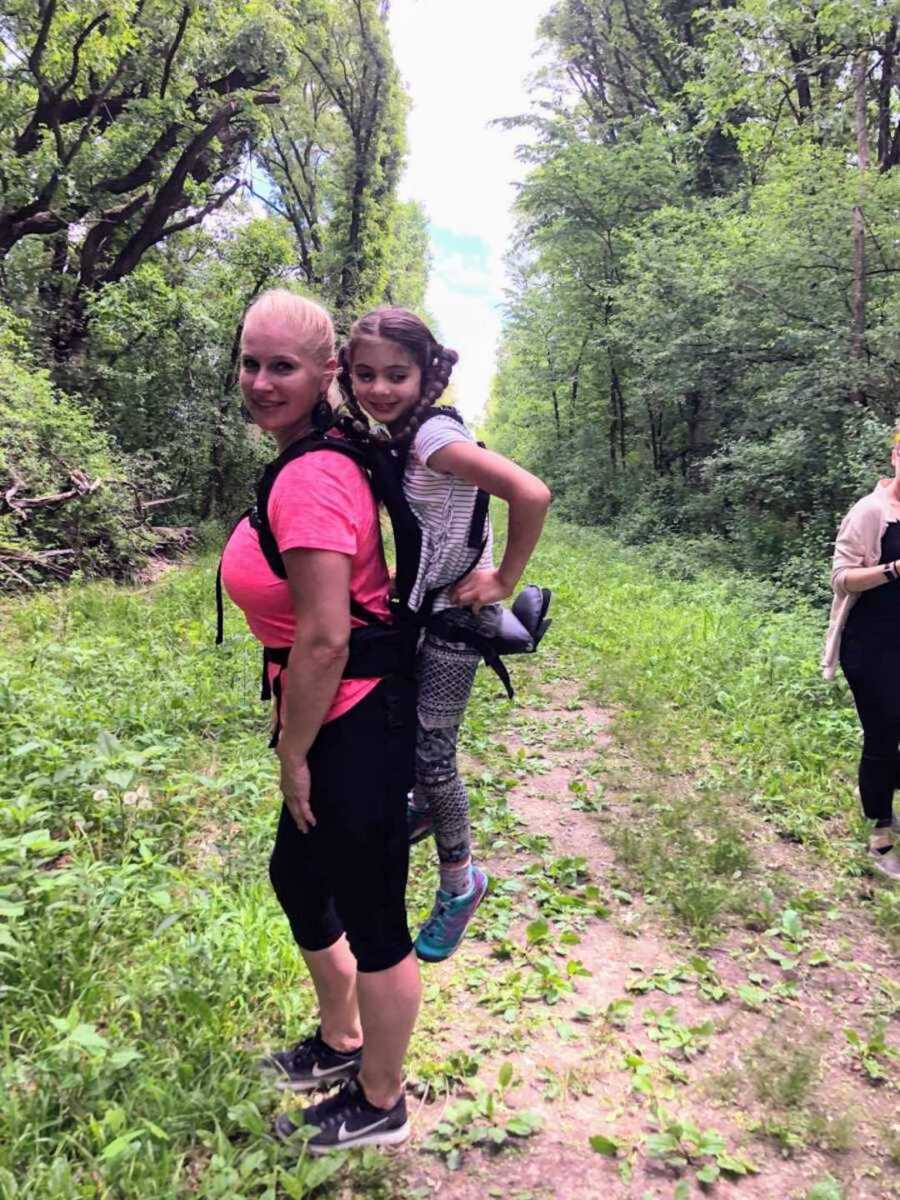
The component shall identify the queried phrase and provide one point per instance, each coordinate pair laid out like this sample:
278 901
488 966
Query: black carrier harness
378 647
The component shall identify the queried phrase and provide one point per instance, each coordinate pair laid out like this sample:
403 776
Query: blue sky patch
462 262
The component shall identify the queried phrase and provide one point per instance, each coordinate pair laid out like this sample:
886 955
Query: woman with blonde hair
345 742
864 636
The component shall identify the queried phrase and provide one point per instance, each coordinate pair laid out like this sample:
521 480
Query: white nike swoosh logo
318 1071
344 1134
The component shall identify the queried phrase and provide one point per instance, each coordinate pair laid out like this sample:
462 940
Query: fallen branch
82 486
45 560
24 565
165 500
10 552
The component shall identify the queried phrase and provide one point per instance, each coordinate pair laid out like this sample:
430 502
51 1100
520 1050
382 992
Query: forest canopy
703 330
161 163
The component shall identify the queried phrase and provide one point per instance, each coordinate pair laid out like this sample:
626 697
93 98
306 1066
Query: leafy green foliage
872 1051
681 1146
139 143
484 1121
679 355
52 446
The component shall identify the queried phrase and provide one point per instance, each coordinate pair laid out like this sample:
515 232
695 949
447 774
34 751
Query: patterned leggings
445 673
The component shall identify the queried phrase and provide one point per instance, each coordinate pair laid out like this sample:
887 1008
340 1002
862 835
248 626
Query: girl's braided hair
435 361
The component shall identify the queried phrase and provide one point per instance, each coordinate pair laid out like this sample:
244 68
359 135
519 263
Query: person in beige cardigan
864 636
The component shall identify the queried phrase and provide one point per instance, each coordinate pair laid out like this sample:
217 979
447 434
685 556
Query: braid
413 421
352 420
438 374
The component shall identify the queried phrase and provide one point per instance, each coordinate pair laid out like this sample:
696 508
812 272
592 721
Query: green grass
716 680
144 963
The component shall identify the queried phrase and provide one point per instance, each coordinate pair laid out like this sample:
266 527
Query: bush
50 444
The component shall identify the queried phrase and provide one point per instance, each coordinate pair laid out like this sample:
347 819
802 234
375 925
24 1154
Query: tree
334 150
702 334
163 360
132 133
123 123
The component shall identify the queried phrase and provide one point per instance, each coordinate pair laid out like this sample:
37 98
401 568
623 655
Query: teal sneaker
449 919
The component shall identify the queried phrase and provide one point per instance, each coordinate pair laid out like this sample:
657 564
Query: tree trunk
693 407
885 86
619 403
858 303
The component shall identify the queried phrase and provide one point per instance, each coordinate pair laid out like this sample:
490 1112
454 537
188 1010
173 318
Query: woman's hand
295 786
479 588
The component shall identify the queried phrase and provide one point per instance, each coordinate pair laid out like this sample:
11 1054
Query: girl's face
387 382
279 381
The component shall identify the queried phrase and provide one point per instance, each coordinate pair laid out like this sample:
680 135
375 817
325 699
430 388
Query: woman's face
280 382
387 382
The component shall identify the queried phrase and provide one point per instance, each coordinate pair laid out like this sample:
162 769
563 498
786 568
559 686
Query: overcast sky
465 63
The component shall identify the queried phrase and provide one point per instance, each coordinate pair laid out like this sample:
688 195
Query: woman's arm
863 579
849 572
528 499
320 589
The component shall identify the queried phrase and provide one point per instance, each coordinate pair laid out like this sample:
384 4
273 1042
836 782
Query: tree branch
173 50
48 12
76 53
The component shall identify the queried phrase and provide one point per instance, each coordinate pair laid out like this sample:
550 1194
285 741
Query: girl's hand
295 786
480 588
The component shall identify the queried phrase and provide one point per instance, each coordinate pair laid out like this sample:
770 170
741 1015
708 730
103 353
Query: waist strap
449 631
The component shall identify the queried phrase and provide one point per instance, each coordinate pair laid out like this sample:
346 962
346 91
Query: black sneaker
347 1119
312 1064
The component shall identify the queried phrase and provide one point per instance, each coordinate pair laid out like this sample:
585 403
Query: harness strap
220 608
469 637
276 729
493 660
477 536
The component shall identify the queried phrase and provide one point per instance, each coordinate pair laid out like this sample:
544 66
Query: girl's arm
320 588
528 499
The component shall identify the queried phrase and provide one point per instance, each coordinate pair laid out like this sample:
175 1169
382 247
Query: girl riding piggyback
394 370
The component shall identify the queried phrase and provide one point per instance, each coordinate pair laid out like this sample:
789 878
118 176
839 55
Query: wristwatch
890 571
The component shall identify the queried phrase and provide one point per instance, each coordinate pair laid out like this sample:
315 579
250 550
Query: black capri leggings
872 668
348 873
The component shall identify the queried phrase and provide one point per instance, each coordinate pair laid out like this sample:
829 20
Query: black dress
870 659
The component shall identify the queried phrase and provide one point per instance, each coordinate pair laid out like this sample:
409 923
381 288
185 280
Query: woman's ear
329 373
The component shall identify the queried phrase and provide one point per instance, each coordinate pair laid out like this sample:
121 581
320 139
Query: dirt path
580 999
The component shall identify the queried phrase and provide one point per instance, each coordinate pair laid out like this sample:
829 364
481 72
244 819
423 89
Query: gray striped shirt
443 506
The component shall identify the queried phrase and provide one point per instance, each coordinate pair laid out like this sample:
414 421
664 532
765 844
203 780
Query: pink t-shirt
321 501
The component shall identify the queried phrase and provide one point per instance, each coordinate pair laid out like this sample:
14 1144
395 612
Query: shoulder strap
220 607
259 514
386 465
385 475
441 410
476 539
